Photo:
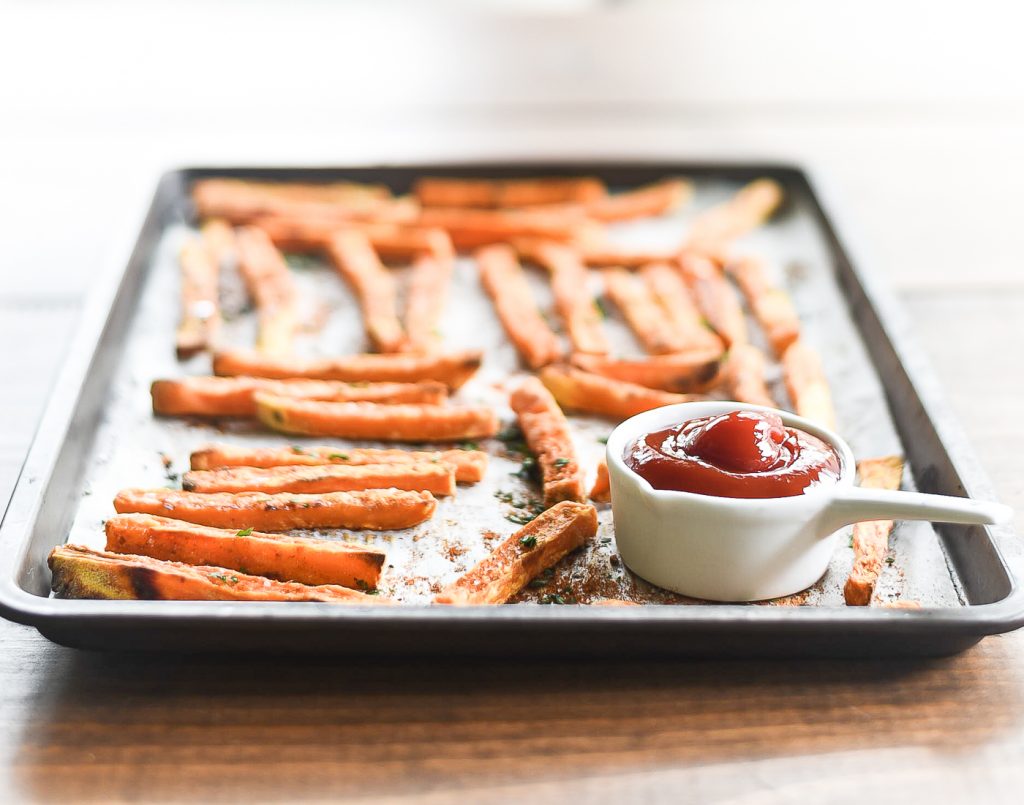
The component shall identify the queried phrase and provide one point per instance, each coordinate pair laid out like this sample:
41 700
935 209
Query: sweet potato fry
469 465
695 370
383 509
771 306
669 288
606 255
391 241
654 199
233 396
716 298
744 372
807 385
546 432
444 192
80 572
438 479
285 558
534 548
471 228
718 226
270 285
871 540
373 285
451 368
578 310
504 281
601 491
219 239
645 316
200 308
391 423
425 301
589 393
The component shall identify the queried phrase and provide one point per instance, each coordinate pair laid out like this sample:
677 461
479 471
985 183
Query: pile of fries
225 534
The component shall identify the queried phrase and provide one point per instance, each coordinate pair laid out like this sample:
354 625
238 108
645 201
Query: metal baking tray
97 435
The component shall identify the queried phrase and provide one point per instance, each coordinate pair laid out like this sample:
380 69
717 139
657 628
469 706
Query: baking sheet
131 445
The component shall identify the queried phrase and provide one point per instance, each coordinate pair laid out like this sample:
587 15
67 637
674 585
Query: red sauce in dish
743 454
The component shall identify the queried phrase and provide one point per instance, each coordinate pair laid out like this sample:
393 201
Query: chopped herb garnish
469 446
297 449
226 579
528 542
603 440
528 470
605 540
552 598
244 532
599 305
561 462
520 518
338 456
539 582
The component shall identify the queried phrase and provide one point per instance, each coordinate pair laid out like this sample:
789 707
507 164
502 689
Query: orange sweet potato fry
744 373
716 298
654 199
578 310
471 228
374 287
589 393
80 572
546 432
359 420
871 540
438 479
771 306
601 491
469 465
451 368
392 241
717 227
285 558
270 284
200 308
534 548
669 289
807 385
487 193
233 396
504 281
383 509
695 370
647 319
425 302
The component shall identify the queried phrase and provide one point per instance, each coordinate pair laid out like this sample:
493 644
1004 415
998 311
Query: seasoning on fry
871 540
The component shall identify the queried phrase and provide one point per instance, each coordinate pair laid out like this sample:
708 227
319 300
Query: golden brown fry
718 226
578 310
505 282
695 370
601 491
547 434
716 298
469 465
272 289
537 546
373 285
200 308
807 385
445 192
383 509
668 287
645 316
471 228
392 241
425 302
871 540
285 558
771 306
438 479
577 390
80 572
391 423
451 368
233 396
654 199
744 372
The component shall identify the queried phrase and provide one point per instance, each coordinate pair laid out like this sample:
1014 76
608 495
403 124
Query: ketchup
743 454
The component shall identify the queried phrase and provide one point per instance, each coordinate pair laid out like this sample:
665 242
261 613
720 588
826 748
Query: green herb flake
244 532
552 598
528 542
297 449
469 446
338 456
226 579
600 307
561 462
602 440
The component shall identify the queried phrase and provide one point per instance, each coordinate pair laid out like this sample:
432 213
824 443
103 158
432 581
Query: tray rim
22 606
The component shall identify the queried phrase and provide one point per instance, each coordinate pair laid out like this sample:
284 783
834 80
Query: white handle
858 505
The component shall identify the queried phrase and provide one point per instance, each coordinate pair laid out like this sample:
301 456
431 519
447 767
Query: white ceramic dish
738 549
